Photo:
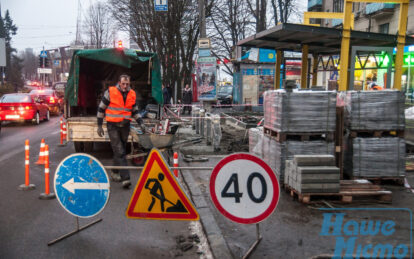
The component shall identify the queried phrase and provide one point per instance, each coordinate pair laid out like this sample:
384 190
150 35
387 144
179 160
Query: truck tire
78 146
87 146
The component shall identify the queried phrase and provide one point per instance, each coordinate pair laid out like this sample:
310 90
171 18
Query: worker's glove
100 131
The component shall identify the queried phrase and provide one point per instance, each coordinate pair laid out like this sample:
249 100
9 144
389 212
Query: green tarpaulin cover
119 57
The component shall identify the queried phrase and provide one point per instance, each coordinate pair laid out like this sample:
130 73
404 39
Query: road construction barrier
176 164
63 133
47 195
41 160
27 186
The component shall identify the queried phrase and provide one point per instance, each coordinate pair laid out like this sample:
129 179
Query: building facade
371 17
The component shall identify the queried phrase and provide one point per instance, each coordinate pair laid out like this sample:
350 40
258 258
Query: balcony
379 9
314 3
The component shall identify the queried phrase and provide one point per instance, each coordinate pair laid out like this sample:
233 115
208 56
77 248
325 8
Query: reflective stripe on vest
117 110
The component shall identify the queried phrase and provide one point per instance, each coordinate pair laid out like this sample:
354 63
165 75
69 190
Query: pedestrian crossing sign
158 195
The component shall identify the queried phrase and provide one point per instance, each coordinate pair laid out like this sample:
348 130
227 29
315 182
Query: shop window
384 28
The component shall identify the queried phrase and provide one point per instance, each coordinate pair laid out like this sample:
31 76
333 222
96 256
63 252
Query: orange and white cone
41 160
27 185
62 134
47 195
176 164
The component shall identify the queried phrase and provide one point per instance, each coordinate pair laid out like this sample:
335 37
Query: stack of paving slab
300 111
276 153
368 113
375 157
313 174
374 110
297 113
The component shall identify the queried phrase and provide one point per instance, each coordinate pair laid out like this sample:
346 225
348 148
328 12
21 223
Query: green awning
128 59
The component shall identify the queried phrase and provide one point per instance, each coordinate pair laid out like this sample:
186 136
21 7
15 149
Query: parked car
23 107
225 94
51 98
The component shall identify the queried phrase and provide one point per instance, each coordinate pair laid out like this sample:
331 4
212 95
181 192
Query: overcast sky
48 23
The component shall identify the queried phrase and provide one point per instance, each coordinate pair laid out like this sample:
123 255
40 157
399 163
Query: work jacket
118 110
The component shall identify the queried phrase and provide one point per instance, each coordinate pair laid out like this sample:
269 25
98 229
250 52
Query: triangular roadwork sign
157 194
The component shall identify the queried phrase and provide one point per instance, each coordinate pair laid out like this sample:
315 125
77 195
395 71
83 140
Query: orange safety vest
117 110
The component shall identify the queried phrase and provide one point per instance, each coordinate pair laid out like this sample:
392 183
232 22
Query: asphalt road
27 223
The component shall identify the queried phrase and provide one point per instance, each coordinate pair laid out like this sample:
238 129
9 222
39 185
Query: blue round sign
82 185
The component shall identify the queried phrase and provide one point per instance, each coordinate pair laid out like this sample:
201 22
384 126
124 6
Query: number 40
234 180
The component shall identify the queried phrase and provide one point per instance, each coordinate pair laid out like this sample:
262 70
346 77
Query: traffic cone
41 160
27 185
176 164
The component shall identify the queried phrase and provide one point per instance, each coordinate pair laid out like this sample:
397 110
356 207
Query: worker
374 86
118 106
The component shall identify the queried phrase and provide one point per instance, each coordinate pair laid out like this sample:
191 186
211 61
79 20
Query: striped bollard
176 164
47 195
27 186
63 135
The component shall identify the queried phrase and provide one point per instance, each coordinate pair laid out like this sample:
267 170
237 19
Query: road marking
71 186
55 133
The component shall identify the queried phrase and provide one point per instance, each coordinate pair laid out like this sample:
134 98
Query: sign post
161 5
158 195
245 190
82 188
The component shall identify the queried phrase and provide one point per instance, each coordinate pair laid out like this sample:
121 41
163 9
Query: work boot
116 177
126 184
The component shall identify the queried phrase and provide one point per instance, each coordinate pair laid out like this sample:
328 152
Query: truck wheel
87 146
78 146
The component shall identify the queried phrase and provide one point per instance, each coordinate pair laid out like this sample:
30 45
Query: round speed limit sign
244 188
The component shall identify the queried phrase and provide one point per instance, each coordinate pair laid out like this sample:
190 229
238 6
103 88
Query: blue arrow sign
161 5
82 185
43 54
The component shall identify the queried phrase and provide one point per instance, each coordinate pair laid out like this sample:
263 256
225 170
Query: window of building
384 28
338 6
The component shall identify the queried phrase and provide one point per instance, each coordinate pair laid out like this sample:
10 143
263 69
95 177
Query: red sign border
156 156
269 171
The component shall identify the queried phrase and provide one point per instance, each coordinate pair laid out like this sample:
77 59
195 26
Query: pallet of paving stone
299 136
350 192
375 157
299 111
374 110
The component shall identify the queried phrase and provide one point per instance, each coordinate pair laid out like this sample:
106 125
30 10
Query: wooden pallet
383 180
300 136
350 191
376 133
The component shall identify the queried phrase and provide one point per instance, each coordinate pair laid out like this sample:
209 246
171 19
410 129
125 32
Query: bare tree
230 21
259 13
283 10
172 35
98 27
29 63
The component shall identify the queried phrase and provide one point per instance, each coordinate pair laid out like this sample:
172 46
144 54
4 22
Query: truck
92 71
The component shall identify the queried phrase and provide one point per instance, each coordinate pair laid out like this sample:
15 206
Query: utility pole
202 17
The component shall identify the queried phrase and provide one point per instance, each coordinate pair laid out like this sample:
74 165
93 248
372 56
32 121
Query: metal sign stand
75 231
254 245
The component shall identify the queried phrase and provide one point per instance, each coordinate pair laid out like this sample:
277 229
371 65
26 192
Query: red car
51 99
23 107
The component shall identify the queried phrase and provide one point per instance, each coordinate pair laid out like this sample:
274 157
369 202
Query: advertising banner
206 78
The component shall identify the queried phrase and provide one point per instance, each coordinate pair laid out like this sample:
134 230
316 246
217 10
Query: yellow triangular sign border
155 155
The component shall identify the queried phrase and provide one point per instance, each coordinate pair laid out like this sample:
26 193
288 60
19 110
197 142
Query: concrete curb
215 238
